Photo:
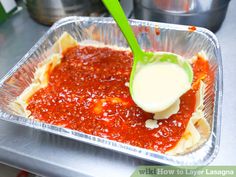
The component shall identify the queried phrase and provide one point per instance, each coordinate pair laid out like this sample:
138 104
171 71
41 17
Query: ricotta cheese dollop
159 85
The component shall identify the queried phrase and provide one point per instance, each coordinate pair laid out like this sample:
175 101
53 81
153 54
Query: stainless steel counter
50 155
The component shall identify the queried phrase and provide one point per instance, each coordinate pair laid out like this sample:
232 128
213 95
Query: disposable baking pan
151 36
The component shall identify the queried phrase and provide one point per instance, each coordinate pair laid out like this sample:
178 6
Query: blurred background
205 13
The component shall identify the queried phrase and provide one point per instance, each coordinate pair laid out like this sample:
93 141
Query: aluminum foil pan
172 38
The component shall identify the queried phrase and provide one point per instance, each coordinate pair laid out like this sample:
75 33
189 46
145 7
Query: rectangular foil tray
172 38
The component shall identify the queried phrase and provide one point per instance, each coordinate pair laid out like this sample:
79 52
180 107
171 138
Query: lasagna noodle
197 129
41 74
63 43
173 109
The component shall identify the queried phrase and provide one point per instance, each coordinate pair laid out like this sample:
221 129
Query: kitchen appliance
49 11
205 13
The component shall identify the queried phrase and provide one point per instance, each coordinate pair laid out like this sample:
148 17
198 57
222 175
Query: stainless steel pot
205 13
49 11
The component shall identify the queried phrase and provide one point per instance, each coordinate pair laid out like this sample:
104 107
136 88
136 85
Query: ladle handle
118 14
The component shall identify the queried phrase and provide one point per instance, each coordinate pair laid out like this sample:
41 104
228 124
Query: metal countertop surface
50 155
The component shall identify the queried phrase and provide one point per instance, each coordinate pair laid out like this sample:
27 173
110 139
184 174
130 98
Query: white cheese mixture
151 124
157 86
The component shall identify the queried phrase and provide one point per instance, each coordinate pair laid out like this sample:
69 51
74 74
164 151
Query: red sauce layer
88 92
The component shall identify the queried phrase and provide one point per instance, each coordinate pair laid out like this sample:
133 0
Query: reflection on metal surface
205 13
49 11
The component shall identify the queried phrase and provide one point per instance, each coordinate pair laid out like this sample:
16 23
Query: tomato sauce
88 91
192 28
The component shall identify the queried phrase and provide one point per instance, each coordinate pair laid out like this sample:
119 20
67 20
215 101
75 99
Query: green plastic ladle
141 56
